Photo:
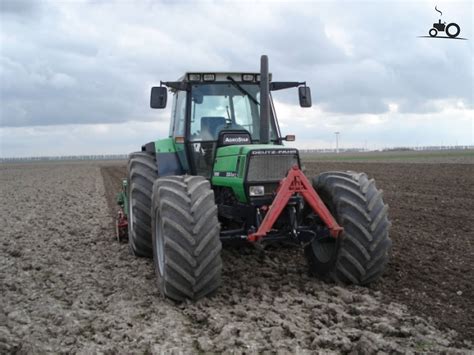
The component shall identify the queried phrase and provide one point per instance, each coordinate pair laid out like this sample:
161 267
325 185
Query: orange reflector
179 140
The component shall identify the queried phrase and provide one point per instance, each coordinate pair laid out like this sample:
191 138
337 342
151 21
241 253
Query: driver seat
210 126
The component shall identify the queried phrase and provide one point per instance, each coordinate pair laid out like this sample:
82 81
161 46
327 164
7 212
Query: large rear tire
360 255
186 243
142 173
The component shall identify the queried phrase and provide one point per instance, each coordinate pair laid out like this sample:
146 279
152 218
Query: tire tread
185 207
142 173
358 206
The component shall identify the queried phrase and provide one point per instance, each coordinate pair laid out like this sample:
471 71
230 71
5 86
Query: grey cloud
352 104
391 64
19 7
95 63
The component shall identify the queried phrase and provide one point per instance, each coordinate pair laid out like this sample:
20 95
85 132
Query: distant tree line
392 149
67 157
125 156
440 147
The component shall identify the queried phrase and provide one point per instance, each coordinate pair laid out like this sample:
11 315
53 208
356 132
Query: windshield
215 107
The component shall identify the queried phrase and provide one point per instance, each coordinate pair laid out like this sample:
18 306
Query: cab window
219 106
179 114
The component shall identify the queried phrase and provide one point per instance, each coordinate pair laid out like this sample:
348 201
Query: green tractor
223 174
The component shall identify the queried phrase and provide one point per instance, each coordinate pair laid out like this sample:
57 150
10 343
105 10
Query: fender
167 156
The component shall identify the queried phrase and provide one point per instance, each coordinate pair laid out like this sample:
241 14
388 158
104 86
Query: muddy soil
432 266
67 286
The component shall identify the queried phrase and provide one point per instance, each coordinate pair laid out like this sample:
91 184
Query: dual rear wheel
142 173
185 233
174 220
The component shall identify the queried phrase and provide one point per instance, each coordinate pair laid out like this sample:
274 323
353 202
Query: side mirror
304 93
159 96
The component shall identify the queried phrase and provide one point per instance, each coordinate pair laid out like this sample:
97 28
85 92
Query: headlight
256 190
194 77
209 77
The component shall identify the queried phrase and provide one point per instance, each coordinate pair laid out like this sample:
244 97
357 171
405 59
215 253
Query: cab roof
205 76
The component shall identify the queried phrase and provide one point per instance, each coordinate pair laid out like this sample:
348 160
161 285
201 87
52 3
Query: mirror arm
176 85
288 138
280 85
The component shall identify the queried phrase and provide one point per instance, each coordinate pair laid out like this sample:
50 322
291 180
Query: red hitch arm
295 182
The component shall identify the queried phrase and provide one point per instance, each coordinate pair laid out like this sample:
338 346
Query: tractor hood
241 166
257 149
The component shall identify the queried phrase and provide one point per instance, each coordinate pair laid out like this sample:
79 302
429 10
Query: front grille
270 167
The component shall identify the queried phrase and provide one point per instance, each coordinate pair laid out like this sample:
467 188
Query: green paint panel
234 183
229 150
229 167
227 163
166 145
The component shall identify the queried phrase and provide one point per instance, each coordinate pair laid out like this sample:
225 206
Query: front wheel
360 254
185 234
453 27
433 32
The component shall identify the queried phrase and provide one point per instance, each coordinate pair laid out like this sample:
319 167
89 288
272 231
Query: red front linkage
295 182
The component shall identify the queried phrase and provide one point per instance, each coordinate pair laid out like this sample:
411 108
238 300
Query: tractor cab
209 113
212 110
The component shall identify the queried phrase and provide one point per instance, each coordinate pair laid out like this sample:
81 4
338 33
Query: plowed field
67 286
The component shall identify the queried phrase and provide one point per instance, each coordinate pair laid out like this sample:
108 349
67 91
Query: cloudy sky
75 75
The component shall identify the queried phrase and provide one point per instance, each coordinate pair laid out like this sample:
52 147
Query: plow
224 174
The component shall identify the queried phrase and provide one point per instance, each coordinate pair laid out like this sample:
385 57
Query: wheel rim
159 245
324 249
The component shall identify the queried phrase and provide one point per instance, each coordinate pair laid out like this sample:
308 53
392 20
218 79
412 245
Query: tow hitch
295 182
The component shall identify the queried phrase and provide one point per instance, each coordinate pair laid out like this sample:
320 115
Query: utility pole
337 141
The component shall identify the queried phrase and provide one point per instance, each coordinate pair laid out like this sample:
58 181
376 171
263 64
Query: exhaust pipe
264 101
